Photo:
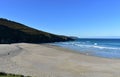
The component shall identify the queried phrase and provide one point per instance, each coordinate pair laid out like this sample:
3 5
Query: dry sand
51 61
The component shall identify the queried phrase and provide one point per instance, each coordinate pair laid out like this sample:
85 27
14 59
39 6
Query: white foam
95 43
94 46
84 45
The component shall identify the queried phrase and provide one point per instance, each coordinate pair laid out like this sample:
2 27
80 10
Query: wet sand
51 61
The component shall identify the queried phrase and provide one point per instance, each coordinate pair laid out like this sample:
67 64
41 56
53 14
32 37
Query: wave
95 45
99 49
94 48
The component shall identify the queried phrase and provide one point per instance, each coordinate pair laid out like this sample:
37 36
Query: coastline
43 60
75 51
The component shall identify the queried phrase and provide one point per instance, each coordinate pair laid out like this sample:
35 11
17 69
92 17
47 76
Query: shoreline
75 51
43 60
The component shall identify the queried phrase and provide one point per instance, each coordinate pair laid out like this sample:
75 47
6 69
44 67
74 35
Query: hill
14 32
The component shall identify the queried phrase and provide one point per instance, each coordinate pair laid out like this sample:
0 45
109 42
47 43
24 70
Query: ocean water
107 48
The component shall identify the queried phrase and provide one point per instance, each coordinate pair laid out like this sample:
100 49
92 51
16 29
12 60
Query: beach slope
50 61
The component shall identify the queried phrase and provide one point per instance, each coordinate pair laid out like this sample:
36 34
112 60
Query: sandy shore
51 61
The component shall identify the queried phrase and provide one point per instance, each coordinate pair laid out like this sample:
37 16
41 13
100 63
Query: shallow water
108 48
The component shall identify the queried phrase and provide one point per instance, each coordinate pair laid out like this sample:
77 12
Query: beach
44 60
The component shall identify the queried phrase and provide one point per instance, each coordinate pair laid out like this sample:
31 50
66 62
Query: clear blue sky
83 18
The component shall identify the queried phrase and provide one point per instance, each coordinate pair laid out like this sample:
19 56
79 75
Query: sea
106 48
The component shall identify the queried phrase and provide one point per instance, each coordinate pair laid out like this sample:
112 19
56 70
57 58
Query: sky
81 18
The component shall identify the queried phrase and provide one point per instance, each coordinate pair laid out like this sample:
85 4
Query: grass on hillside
14 32
2 74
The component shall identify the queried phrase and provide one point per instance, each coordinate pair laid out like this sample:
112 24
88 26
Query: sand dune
51 61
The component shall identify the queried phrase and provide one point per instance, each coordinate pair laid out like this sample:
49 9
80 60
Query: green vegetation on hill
14 32
2 74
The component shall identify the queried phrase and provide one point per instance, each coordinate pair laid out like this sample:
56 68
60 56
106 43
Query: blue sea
107 48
